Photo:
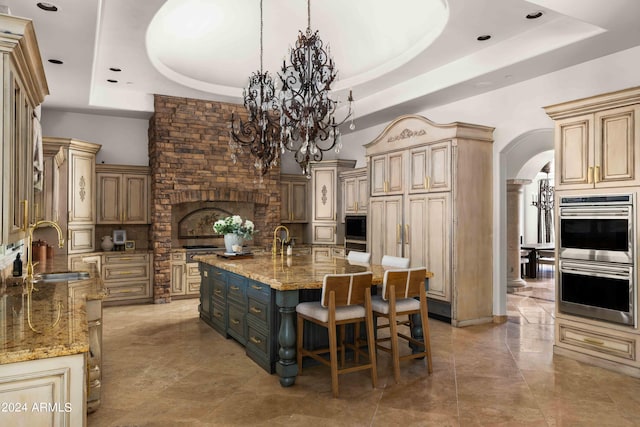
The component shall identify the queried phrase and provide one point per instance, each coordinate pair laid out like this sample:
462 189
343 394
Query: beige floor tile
164 367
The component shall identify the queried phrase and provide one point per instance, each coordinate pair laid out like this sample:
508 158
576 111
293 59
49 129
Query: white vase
107 243
230 240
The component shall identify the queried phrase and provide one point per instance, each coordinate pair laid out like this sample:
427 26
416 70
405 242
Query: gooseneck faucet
30 230
274 247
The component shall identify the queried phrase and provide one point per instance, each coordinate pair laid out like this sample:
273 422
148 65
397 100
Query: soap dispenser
17 266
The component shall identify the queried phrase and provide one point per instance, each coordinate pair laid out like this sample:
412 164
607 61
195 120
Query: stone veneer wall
190 161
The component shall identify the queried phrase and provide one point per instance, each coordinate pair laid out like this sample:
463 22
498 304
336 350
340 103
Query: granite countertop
291 272
20 314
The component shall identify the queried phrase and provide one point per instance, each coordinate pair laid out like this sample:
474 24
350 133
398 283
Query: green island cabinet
243 309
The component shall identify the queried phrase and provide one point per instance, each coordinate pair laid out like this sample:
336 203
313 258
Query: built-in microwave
355 227
597 228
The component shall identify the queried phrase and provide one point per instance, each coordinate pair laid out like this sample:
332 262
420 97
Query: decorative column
514 203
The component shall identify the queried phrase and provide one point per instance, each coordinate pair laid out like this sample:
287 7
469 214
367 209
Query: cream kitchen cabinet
387 174
596 141
24 88
385 227
76 191
293 196
355 192
185 277
55 387
442 219
427 237
122 194
430 168
127 276
326 201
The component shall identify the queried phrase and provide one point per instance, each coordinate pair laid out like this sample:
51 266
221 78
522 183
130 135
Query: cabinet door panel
439 168
615 153
285 204
177 279
438 258
324 234
324 203
109 202
418 169
393 227
363 195
396 172
574 142
376 230
378 175
81 239
136 203
350 196
81 187
298 201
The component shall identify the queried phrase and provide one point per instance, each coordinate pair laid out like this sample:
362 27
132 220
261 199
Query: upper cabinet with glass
24 88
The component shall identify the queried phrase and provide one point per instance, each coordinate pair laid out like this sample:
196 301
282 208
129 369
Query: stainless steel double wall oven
596 257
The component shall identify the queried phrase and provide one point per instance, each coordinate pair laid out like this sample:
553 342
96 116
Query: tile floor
164 367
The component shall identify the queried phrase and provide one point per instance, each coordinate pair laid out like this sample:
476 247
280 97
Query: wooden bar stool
399 289
346 298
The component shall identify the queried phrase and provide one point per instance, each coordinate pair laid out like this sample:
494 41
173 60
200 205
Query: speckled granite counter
290 272
21 314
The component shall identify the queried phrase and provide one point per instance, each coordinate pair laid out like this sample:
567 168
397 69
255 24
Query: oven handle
591 213
611 273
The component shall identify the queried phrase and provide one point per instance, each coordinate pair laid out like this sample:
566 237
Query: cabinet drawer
258 291
128 290
237 289
218 314
193 286
219 292
125 258
258 310
257 340
618 346
237 323
178 256
193 270
122 272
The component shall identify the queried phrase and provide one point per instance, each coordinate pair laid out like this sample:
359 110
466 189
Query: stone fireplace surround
191 163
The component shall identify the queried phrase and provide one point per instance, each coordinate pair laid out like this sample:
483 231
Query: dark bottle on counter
17 267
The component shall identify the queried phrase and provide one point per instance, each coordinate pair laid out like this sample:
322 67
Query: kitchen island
48 342
253 300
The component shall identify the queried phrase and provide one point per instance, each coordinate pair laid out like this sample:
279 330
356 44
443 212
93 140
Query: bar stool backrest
349 289
406 282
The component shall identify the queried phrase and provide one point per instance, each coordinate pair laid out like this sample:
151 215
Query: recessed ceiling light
47 6
112 81
116 69
534 15
56 61
483 37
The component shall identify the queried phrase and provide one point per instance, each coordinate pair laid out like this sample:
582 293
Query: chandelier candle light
261 133
308 127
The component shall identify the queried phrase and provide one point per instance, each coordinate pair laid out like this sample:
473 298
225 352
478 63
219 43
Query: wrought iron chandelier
261 133
308 125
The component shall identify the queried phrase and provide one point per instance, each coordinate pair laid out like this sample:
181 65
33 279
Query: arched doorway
521 158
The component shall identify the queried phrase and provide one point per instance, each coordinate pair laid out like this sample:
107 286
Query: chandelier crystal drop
307 122
260 134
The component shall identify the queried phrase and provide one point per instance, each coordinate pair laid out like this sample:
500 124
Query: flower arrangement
234 225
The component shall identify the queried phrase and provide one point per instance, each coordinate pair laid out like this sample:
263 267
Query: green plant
235 225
